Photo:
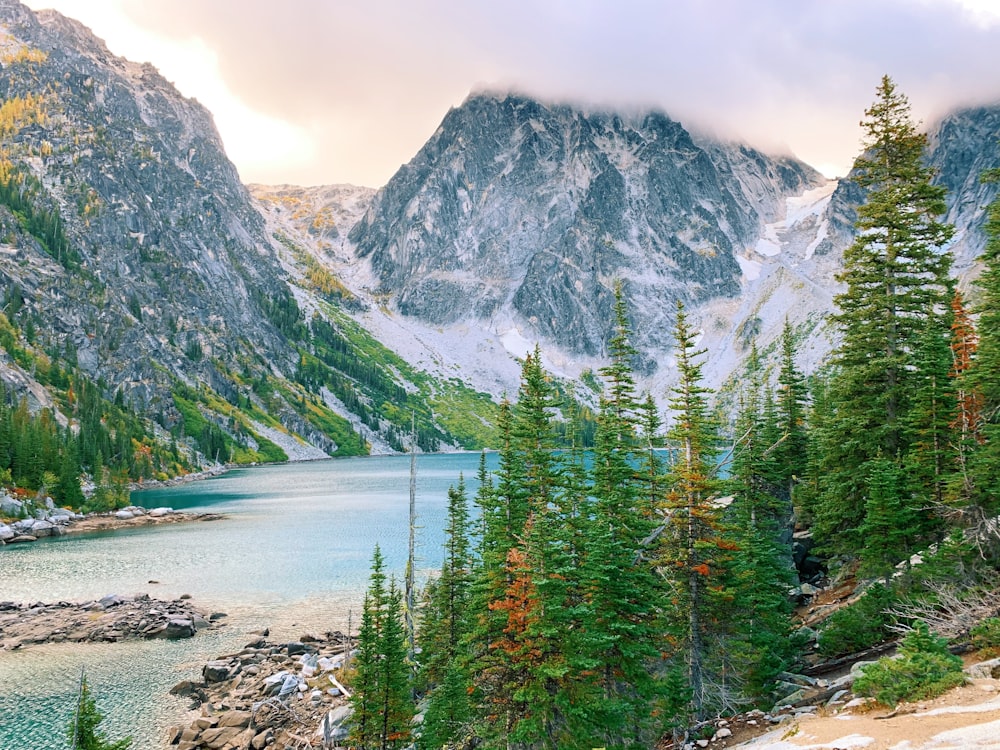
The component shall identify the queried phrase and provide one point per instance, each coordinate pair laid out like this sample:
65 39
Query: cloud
364 84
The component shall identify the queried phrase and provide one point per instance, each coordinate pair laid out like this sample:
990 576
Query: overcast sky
329 91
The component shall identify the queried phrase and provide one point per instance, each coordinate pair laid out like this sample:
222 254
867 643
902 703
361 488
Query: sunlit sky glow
331 91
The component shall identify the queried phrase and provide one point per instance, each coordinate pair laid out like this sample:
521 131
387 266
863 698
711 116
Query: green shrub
923 669
986 635
860 625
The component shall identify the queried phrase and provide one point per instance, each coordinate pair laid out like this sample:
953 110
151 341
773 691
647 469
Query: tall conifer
690 550
896 277
984 470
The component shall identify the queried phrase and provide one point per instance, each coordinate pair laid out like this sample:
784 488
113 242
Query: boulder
215 671
42 528
11 507
218 737
6 532
178 628
159 512
334 725
111 600
124 515
984 670
239 719
22 538
185 687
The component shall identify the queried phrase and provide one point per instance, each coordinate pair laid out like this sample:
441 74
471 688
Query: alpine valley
255 323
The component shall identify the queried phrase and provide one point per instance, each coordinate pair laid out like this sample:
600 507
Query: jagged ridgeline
134 260
519 210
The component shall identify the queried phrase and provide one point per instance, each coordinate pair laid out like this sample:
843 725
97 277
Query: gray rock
11 507
334 725
984 670
179 628
6 532
124 515
858 667
215 671
42 528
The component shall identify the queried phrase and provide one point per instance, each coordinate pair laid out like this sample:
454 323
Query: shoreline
111 619
59 523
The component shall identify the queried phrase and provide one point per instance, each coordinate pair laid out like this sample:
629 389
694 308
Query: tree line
605 598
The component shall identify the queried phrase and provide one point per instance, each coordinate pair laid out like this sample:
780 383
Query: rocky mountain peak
524 214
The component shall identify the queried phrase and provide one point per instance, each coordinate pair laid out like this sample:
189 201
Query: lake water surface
292 554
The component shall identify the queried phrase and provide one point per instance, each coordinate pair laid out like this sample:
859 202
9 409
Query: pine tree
623 593
444 630
761 569
690 551
930 461
896 277
67 491
983 492
791 450
381 701
83 732
888 519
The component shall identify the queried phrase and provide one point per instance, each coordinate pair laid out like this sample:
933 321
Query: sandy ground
966 718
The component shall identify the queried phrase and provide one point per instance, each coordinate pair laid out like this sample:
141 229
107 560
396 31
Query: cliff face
519 211
166 252
130 249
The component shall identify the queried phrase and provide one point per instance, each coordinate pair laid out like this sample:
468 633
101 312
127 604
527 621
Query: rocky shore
274 695
112 618
47 520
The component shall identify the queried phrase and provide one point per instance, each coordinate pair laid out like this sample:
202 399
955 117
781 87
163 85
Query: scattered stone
113 618
254 699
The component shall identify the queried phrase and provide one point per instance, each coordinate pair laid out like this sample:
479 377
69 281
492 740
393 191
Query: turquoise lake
292 554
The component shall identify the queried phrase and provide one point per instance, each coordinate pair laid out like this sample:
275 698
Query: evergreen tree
381 701
896 277
983 483
791 449
761 568
624 594
931 458
888 520
67 491
690 557
444 629
83 732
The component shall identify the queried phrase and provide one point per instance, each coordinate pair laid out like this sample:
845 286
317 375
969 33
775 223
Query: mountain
270 322
132 255
512 224
517 214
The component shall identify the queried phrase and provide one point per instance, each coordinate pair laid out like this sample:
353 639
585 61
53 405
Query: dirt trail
966 718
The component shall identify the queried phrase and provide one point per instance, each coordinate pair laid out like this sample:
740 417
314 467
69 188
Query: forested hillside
617 597
137 269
